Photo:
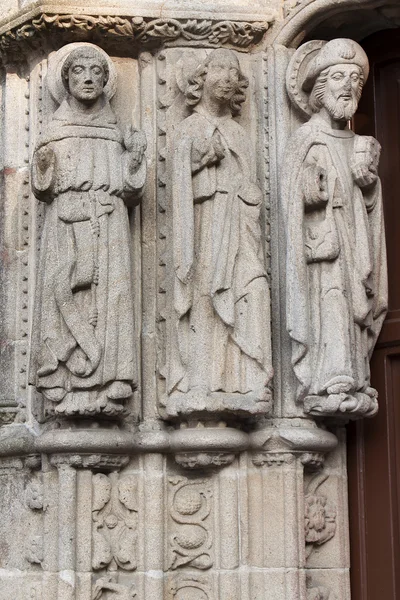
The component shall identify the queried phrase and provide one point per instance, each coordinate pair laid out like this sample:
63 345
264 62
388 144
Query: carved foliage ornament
190 508
320 515
146 32
114 522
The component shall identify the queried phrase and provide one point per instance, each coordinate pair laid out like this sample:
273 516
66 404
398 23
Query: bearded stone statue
87 173
336 258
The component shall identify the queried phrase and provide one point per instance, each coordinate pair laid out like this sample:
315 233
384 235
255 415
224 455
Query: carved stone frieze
190 540
138 31
336 279
107 462
204 460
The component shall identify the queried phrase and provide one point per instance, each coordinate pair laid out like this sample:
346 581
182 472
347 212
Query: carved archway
326 19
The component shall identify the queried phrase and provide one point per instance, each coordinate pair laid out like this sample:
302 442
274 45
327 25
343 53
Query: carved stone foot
343 405
87 403
199 403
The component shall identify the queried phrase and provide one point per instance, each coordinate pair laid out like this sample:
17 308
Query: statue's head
85 72
220 77
335 78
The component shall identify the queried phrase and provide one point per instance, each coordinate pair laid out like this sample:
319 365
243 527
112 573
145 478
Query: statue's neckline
338 133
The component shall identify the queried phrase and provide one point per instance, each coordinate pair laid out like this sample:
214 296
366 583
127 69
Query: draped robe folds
336 300
86 229
220 332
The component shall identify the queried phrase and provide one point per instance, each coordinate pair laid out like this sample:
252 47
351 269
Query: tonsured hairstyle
83 52
318 91
194 90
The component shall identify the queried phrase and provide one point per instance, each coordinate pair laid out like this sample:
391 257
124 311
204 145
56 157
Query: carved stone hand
207 153
136 144
315 187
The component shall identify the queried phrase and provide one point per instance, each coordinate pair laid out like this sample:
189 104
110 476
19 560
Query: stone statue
83 355
219 354
336 257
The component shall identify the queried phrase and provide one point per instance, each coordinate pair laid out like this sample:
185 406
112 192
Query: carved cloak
85 189
220 334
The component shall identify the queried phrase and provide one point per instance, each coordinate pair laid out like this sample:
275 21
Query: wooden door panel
374 445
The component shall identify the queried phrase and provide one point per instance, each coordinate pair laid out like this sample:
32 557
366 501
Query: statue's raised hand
45 158
136 144
207 153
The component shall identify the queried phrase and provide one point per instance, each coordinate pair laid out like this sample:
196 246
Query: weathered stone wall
154 443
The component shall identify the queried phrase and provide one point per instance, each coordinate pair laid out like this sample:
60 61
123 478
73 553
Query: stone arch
326 19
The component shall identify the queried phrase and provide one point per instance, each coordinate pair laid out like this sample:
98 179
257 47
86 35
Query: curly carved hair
318 91
83 52
194 89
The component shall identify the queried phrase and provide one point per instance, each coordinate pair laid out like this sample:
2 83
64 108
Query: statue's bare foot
55 394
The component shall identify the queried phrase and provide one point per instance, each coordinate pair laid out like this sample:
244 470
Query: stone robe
220 332
336 281
85 262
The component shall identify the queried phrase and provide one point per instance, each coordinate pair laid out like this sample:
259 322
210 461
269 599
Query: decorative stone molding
190 510
139 31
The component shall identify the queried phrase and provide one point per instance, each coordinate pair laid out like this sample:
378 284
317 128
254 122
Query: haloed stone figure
83 356
336 259
219 346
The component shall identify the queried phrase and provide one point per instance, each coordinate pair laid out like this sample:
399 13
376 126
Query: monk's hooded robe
220 332
336 278
85 238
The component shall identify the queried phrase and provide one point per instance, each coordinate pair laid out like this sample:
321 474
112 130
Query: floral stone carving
320 515
190 508
87 173
219 353
336 257
114 522
145 32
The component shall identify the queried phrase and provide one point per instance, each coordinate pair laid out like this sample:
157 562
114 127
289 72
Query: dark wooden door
374 445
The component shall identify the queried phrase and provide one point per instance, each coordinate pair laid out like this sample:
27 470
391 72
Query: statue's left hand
136 144
364 175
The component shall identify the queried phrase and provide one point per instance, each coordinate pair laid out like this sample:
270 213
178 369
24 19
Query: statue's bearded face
342 91
222 78
86 78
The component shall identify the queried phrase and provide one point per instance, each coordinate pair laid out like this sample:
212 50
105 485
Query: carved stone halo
54 75
296 72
